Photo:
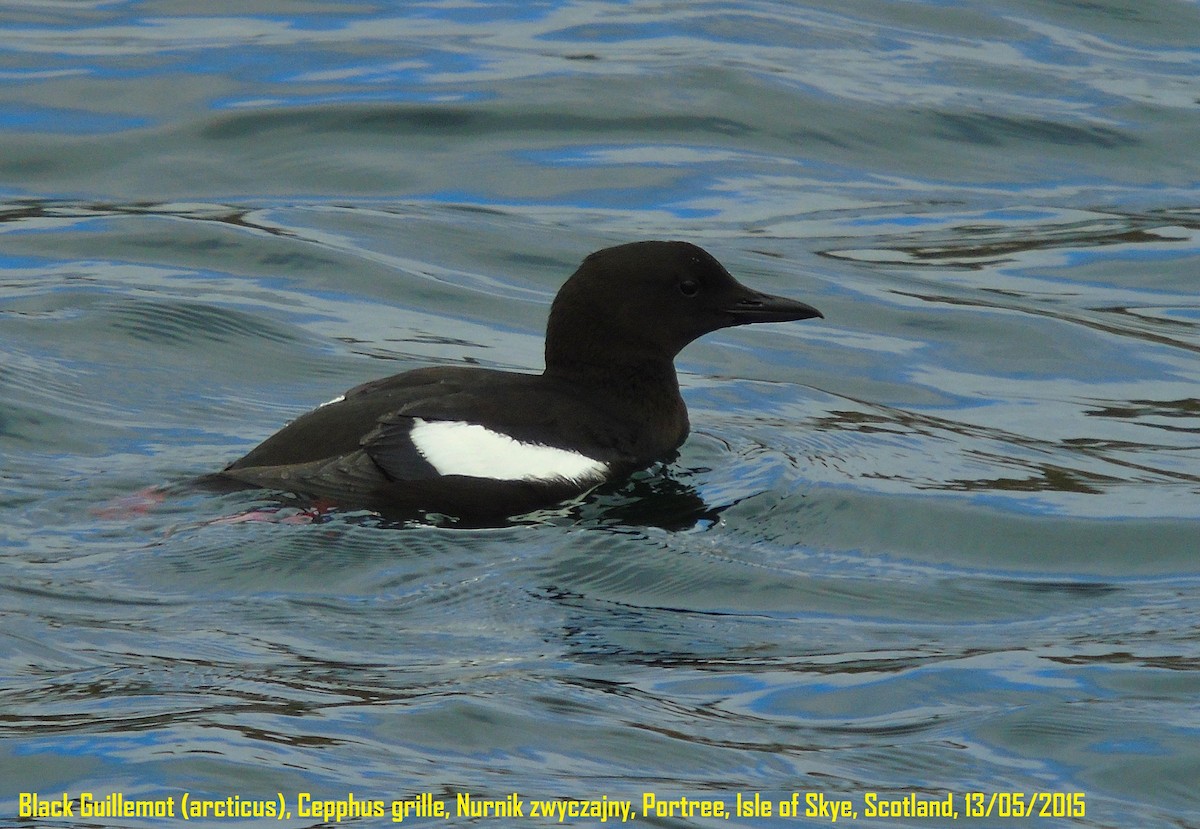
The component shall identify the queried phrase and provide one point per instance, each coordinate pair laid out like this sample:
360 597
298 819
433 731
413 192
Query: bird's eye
688 287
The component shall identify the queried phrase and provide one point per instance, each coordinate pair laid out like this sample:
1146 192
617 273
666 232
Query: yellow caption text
304 805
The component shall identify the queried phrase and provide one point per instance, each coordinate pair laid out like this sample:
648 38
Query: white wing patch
337 399
454 447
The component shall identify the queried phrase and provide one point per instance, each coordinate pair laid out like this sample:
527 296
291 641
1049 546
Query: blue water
942 543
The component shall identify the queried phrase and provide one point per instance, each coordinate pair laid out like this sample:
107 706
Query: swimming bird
471 442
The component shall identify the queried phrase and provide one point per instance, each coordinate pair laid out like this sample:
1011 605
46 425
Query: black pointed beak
752 306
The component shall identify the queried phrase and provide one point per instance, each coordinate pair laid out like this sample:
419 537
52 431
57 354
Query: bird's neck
642 375
643 390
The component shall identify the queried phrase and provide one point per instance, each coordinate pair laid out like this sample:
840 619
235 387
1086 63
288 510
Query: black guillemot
469 442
